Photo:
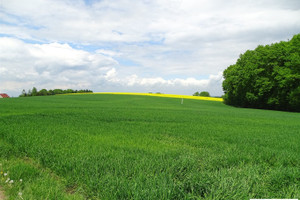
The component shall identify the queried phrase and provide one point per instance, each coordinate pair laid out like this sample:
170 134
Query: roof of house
3 95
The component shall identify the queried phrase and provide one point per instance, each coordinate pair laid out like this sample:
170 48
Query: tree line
45 92
202 94
267 77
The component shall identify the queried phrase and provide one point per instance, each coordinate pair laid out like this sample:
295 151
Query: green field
139 147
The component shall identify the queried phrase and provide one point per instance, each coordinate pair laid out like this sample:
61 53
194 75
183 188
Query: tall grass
139 147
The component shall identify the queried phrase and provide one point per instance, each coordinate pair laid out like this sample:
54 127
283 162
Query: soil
2 197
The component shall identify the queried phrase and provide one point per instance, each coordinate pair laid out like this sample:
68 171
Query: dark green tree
58 91
196 94
204 94
50 92
43 92
34 91
267 77
68 91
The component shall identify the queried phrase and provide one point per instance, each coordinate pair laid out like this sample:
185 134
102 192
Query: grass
108 146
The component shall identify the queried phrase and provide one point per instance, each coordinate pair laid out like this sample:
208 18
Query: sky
167 46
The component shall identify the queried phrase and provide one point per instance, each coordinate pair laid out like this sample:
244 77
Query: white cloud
58 65
159 84
138 21
49 65
108 52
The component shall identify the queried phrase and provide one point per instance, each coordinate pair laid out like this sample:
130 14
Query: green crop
107 146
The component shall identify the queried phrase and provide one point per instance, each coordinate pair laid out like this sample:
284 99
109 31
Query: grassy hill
108 146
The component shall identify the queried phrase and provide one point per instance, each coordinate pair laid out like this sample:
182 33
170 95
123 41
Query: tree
34 91
267 77
204 94
196 94
43 92
58 91
23 93
29 93
50 92
68 91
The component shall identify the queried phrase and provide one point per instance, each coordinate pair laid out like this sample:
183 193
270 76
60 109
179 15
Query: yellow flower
165 95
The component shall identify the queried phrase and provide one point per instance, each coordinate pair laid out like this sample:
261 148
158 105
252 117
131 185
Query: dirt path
2 197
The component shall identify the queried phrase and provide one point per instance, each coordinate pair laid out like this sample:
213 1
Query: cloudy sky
168 46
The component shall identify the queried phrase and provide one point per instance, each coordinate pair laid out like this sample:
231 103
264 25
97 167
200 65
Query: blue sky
168 46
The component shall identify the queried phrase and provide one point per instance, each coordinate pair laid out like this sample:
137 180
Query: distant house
3 95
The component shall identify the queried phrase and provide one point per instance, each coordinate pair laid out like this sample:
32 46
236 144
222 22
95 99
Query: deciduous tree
267 77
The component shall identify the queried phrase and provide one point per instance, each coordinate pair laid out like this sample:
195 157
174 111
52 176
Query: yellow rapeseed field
164 95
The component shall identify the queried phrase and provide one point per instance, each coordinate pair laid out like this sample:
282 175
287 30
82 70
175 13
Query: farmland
108 146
